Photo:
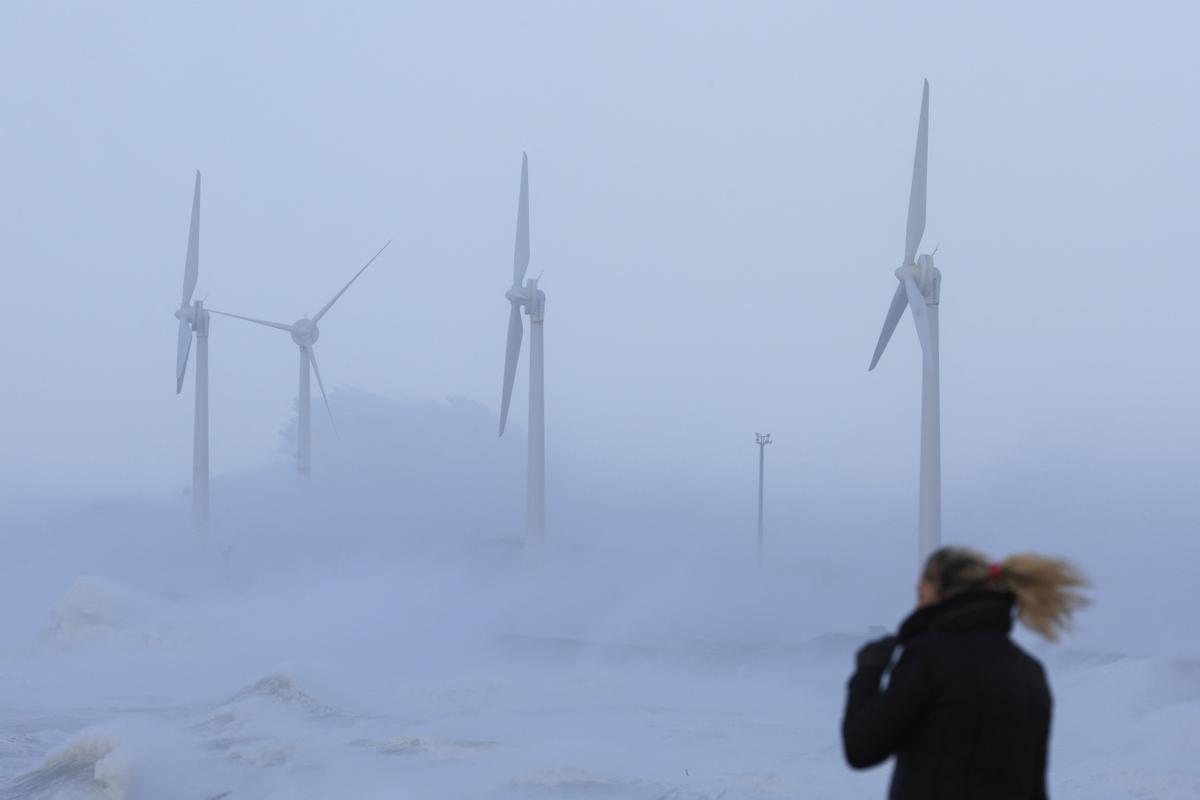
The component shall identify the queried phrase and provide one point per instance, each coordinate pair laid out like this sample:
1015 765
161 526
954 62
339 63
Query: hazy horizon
717 222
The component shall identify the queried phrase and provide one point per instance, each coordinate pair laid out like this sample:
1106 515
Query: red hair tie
995 571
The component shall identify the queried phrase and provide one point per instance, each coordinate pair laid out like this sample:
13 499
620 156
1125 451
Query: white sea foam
91 764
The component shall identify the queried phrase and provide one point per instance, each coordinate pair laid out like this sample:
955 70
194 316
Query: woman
966 711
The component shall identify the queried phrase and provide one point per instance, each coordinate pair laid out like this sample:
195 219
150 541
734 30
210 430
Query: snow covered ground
380 686
410 649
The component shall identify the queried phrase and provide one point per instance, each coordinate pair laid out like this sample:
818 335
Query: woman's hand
875 656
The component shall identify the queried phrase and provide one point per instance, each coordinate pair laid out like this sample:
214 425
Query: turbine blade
181 354
191 266
312 359
281 326
920 311
515 332
916 197
521 249
895 311
329 305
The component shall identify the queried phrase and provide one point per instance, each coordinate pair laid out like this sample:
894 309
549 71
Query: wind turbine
305 333
920 290
193 321
527 298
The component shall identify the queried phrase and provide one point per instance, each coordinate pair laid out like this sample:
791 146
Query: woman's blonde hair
1047 589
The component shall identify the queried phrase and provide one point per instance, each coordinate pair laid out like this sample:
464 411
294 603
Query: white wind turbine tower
528 298
920 289
305 334
193 321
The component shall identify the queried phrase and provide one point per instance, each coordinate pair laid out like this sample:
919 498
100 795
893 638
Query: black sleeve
1039 779
877 721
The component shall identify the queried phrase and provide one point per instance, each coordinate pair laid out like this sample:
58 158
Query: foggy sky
717 203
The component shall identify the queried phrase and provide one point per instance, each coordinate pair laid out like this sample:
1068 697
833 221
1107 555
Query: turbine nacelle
931 279
927 276
193 315
536 309
529 298
305 332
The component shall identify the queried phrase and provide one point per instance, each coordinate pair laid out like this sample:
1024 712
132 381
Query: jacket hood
965 613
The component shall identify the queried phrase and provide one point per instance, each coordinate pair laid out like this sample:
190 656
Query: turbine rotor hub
927 276
194 315
530 298
305 332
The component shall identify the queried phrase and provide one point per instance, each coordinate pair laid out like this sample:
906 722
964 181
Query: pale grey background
718 202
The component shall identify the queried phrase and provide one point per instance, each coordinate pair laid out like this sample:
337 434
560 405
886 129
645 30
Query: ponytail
1047 590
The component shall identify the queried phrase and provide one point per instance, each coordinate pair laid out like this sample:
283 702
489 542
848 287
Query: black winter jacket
966 711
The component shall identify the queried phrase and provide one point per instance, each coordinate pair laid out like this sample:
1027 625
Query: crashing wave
250 727
91 766
282 688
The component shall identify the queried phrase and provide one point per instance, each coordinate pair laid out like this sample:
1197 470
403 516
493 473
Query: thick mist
382 628
718 201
